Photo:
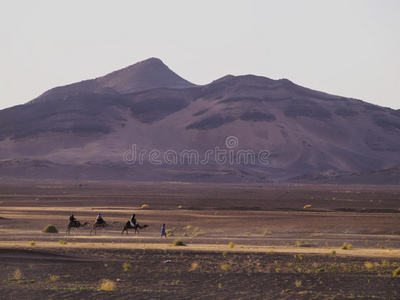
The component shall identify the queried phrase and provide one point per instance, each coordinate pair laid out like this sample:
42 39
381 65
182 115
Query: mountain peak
153 61
144 75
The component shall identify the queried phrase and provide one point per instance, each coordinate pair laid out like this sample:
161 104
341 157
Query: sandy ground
280 250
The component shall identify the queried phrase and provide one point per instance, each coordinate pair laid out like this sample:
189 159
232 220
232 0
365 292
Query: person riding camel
99 219
133 221
73 220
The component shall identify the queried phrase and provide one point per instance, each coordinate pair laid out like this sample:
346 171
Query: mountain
146 123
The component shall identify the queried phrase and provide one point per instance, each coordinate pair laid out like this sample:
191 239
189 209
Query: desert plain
240 241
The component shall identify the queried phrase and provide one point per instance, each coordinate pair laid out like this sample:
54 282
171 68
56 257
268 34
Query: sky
349 48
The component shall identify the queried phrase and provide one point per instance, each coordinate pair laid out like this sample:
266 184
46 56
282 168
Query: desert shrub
396 272
385 263
224 254
369 265
194 266
180 207
347 246
107 285
266 232
224 267
178 243
53 278
33 243
298 283
145 206
307 206
333 252
62 242
301 256
231 245
18 274
127 266
50 229
304 244
169 232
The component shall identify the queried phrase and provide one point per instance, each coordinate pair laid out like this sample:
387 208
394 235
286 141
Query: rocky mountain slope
145 122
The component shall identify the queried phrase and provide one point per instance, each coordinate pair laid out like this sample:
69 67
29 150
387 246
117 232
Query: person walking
163 233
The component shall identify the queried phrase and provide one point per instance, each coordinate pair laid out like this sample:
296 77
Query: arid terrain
240 241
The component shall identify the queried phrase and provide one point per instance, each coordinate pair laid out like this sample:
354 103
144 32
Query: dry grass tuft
107 285
224 267
62 242
18 274
369 265
145 206
194 266
53 278
199 233
298 283
33 243
304 244
231 245
127 266
307 206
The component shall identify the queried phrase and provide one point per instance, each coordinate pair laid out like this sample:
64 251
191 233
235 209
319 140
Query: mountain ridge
305 132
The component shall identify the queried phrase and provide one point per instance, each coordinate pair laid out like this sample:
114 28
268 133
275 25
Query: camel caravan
100 224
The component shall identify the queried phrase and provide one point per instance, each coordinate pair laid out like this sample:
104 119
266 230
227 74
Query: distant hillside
267 130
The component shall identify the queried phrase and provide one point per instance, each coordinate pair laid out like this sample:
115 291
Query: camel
129 226
75 225
101 226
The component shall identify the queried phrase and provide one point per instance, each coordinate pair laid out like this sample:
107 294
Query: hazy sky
349 48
